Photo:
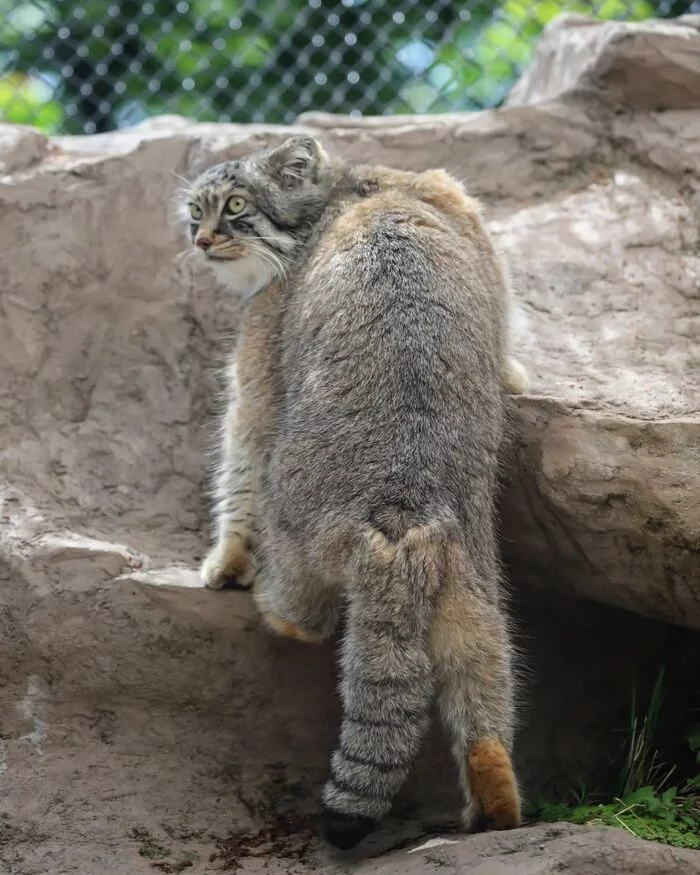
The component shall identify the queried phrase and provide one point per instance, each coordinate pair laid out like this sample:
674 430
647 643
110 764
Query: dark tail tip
344 831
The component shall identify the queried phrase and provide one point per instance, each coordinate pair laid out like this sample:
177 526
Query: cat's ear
296 161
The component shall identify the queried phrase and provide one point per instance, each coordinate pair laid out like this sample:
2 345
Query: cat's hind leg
295 602
472 659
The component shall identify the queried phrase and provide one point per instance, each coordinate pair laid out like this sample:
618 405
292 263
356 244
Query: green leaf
668 796
693 738
643 796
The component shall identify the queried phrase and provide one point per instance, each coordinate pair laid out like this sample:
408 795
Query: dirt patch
289 837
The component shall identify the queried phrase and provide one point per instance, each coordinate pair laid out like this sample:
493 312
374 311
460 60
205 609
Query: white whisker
265 258
272 259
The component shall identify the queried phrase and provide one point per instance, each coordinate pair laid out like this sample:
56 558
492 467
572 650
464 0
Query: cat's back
405 277
391 349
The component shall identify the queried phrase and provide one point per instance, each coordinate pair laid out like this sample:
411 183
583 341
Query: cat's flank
361 454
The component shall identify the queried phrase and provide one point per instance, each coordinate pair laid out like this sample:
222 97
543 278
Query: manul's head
249 218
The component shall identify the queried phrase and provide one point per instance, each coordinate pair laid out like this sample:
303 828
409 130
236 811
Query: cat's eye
235 205
195 212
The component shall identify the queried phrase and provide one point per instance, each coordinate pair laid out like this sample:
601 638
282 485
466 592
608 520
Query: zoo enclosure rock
114 664
544 850
646 65
107 336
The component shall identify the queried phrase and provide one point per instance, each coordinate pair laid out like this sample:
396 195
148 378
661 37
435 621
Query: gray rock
646 65
20 147
543 850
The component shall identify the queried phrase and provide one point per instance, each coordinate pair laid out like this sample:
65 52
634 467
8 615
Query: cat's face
249 218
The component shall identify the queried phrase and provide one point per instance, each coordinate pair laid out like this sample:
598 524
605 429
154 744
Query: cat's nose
202 241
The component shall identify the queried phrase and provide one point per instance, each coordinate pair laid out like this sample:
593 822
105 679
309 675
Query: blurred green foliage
93 65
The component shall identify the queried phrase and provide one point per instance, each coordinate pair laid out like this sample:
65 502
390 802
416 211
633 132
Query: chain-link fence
82 66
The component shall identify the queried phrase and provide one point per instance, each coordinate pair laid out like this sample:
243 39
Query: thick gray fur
380 474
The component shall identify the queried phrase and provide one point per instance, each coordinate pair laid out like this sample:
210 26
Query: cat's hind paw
291 630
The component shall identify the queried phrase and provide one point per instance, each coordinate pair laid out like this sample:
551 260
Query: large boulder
545 850
140 711
647 65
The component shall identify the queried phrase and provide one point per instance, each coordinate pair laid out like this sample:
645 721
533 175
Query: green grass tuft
642 802
670 818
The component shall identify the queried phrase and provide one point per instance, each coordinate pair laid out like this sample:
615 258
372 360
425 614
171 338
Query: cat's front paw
515 377
230 564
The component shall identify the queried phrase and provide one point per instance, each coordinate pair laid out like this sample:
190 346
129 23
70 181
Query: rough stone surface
141 713
20 147
647 65
544 850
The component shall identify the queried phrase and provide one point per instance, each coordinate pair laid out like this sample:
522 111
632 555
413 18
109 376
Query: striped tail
387 679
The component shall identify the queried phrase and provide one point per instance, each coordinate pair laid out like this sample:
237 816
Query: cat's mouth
223 256
227 252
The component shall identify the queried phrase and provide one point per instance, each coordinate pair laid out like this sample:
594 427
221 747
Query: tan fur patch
256 363
493 783
465 629
383 551
291 630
